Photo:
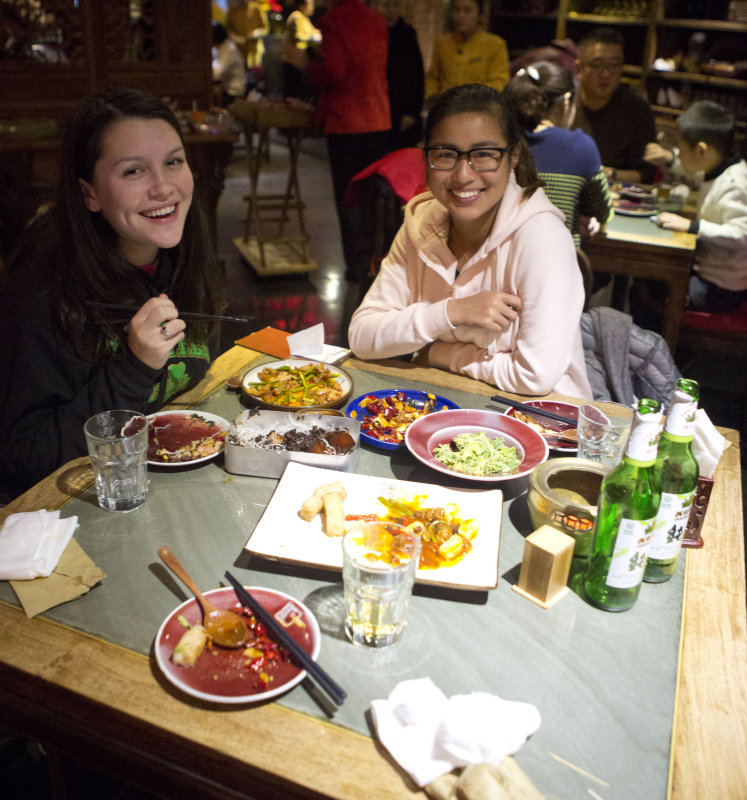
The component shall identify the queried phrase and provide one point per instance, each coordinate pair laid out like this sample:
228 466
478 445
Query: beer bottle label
674 511
630 553
681 418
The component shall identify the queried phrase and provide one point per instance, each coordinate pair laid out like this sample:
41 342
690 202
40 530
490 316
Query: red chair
724 331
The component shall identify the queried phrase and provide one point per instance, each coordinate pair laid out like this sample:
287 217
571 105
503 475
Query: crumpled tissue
31 543
429 734
708 444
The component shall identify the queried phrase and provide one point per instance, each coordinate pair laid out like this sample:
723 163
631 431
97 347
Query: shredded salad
477 454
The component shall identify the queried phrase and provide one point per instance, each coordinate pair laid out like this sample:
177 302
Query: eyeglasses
481 159
600 66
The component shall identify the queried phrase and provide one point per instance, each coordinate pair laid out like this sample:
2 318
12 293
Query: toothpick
580 771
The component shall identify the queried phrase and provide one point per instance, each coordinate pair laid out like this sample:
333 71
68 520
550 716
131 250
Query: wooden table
636 247
101 702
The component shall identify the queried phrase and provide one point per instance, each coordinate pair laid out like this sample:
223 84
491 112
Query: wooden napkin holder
545 566
702 495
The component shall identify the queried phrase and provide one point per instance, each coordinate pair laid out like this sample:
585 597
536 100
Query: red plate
565 410
426 433
221 676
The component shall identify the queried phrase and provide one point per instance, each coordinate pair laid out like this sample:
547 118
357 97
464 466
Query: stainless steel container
251 459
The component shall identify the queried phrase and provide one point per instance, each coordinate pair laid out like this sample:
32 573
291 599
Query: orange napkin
269 340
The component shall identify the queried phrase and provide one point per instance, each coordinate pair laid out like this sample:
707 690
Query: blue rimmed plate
412 397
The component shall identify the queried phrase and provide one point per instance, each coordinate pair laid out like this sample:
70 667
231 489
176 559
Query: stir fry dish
176 438
307 385
445 537
389 417
258 663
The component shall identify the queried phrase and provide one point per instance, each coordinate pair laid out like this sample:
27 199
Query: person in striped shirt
568 161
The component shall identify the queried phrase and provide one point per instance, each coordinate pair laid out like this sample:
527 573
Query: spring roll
334 514
190 646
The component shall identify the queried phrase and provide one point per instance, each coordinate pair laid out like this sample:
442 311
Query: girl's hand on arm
145 335
494 311
673 222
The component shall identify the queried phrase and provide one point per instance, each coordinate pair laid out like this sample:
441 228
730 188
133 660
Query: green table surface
603 683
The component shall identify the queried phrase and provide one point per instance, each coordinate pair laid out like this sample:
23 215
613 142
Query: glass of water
118 445
378 572
603 429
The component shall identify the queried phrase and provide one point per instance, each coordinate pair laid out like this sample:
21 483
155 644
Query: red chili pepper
362 517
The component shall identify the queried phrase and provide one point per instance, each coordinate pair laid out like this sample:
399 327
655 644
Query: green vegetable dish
477 454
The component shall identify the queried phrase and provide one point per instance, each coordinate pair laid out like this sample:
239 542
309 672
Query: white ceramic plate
223 424
220 676
281 535
343 379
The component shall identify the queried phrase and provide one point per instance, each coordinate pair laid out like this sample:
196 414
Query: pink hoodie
529 253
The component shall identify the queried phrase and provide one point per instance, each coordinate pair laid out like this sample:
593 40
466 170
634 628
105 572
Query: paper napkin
708 444
31 543
73 576
44 564
429 734
308 343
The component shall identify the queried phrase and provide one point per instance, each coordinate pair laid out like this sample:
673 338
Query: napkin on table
31 543
44 564
708 444
429 734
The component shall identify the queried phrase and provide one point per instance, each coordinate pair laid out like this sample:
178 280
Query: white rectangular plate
281 535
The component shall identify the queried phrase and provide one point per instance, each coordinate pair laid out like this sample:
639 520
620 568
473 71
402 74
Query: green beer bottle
677 474
628 502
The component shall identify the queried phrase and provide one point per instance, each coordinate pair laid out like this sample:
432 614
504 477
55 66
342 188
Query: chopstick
533 410
182 314
299 655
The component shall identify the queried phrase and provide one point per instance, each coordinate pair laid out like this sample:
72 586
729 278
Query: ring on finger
165 331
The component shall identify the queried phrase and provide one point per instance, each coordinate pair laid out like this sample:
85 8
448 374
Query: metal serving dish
249 458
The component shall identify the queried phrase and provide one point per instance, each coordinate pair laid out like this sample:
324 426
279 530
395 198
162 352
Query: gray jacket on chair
625 362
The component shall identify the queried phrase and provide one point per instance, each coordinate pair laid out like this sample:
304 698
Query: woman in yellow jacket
468 54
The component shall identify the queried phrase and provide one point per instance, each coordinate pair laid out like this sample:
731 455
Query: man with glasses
620 122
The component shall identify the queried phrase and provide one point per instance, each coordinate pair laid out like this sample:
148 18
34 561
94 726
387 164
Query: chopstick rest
298 654
533 410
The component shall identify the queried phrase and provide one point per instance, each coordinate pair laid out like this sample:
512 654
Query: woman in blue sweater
568 162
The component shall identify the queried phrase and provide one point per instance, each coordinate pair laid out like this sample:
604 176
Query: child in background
706 152
482 278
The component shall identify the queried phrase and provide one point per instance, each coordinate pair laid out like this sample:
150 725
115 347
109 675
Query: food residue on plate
389 417
176 438
478 454
258 659
445 537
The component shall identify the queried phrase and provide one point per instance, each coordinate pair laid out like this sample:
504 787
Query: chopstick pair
533 410
182 314
298 654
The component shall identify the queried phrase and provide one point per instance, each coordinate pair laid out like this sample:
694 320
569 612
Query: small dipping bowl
564 493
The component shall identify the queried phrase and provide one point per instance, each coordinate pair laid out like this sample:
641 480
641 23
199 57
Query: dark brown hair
479 98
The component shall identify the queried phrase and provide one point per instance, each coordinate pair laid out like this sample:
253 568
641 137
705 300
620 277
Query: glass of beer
378 572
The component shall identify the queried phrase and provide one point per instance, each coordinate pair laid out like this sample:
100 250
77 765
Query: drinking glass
378 572
603 429
118 445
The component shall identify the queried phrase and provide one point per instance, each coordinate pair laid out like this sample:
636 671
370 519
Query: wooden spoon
225 627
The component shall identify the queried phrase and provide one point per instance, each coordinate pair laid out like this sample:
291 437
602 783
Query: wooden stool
278 252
